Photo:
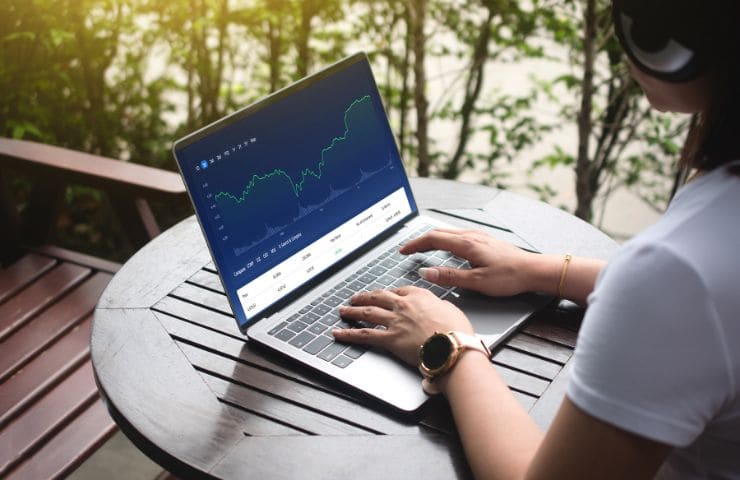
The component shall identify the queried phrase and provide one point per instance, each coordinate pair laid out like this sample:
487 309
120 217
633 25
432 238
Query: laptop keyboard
310 328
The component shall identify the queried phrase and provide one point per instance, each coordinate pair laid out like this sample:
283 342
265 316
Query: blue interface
268 183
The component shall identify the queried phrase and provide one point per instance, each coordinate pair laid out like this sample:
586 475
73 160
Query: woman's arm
501 269
502 441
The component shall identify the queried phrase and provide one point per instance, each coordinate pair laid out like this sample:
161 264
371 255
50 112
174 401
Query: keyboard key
332 351
305 309
318 328
341 361
378 270
421 283
310 317
345 293
367 278
333 302
321 310
386 280
317 345
356 286
355 351
285 335
330 319
389 263
278 328
437 290
297 326
302 339
402 282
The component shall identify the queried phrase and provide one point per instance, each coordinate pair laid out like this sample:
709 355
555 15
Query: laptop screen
289 186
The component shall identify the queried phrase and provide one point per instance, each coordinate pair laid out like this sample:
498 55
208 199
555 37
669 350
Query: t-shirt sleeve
649 358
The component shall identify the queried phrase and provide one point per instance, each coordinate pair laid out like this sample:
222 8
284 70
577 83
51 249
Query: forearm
544 273
499 437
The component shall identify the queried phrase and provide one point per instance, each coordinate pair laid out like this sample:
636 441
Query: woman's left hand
410 315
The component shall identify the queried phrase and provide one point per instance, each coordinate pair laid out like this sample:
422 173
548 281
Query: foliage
123 78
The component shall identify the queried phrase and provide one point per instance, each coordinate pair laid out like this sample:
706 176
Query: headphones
675 40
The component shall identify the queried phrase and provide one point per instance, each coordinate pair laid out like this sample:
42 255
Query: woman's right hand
497 268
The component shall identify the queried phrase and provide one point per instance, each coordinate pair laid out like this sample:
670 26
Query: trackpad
493 317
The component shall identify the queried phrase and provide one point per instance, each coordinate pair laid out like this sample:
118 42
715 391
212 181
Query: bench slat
40 294
21 273
44 329
69 448
49 415
48 369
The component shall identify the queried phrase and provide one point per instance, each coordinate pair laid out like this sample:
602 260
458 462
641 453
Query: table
187 388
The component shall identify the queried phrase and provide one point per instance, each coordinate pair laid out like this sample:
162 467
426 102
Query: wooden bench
51 416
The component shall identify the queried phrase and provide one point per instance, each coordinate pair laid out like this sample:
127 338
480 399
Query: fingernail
429 274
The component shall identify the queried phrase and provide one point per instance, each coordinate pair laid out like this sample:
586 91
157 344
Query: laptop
303 200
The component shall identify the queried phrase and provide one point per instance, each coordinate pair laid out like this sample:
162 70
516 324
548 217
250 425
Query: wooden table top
188 389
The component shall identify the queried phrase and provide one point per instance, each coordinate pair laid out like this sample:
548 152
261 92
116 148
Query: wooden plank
204 297
105 173
552 333
71 256
145 279
257 426
541 348
46 370
207 279
39 295
266 405
169 409
46 417
44 329
522 382
239 349
204 317
363 457
70 447
296 393
547 406
21 273
527 363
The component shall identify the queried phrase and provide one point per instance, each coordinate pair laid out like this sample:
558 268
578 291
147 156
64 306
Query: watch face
437 350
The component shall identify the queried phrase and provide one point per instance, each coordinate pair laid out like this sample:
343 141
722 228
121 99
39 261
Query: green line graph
297 186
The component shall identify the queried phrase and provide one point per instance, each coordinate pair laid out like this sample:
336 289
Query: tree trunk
303 62
473 86
585 188
403 101
420 100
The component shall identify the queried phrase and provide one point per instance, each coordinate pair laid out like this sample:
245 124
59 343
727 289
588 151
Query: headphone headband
674 40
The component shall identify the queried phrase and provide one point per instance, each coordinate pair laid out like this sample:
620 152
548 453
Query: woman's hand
497 268
410 315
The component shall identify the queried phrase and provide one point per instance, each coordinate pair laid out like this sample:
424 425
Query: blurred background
532 96
527 95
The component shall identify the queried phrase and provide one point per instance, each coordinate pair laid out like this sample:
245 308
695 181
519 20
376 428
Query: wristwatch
440 352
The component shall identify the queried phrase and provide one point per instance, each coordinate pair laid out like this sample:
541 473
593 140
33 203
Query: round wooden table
188 389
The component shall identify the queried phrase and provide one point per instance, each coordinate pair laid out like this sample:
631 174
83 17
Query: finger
450 277
369 313
407 290
378 298
367 336
457 244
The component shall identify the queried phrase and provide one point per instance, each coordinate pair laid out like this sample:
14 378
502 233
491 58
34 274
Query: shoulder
649 357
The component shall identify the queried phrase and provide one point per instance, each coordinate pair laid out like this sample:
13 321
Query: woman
655 384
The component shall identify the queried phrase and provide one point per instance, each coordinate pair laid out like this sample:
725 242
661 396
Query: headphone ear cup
663 56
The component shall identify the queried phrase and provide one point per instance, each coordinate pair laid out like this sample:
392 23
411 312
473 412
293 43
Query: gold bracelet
563 273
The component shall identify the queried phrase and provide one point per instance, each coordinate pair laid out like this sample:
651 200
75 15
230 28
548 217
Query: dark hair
714 138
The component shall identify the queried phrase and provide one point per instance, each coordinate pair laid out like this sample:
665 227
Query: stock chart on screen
271 184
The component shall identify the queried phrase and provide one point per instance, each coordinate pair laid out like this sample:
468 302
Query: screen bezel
251 109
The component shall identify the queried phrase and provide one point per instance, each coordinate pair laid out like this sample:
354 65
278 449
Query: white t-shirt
659 350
